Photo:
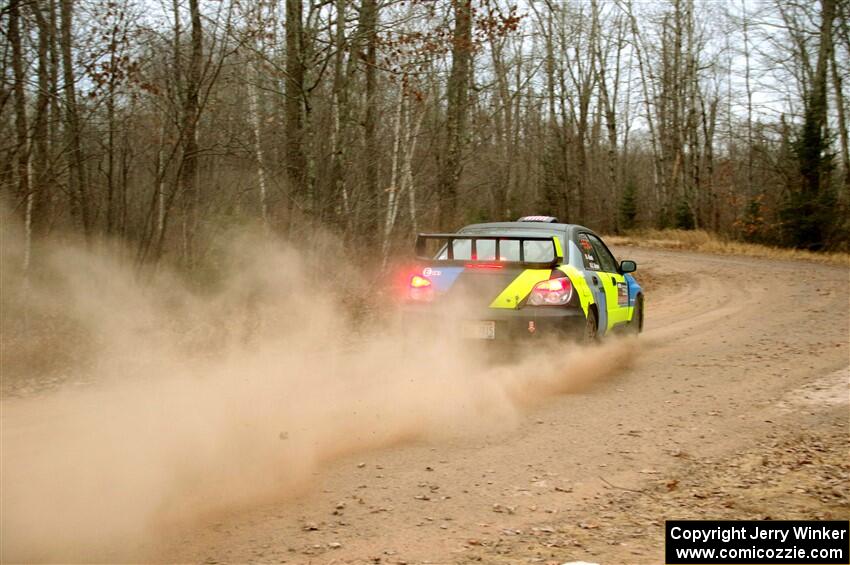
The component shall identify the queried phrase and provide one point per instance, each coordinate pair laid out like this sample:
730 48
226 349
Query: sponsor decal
622 294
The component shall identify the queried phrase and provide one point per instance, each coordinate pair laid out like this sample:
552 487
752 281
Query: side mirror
628 266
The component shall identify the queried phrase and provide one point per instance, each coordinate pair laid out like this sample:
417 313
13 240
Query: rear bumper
527 323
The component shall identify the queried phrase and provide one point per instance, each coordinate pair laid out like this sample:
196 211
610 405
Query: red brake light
483 266
554 285
552 292
421 289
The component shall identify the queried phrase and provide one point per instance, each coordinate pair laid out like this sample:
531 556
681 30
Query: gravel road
736 407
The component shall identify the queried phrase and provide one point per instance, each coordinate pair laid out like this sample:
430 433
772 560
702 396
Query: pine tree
810 208
628 206
684 216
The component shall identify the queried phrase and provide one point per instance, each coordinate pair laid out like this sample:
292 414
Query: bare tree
23 147
841 16
456 113
77 183
296 165
369 119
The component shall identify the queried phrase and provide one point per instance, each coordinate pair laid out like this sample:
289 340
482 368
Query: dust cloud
185 402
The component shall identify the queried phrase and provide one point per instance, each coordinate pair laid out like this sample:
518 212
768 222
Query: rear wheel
636 325
591 327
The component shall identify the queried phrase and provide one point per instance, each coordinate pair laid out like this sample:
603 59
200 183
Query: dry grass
698 240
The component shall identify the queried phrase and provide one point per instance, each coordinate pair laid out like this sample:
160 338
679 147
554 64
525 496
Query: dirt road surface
736 408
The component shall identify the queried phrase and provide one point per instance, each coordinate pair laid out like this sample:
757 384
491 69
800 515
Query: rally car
530 278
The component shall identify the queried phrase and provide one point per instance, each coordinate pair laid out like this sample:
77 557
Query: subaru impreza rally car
531 278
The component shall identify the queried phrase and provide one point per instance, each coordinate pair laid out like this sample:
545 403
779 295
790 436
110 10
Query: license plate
479 330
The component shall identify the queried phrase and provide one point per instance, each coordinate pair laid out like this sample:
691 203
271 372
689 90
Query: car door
614 283
594 276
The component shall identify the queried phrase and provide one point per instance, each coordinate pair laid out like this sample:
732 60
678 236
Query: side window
609 264
588 253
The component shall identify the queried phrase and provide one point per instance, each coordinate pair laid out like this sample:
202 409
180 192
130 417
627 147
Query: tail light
420 288
554 292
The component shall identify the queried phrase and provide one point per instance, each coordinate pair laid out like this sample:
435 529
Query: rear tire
636 325
591 327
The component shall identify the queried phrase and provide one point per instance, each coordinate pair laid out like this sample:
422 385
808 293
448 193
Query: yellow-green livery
530 278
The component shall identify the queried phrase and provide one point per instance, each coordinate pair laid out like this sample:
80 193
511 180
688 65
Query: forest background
163 125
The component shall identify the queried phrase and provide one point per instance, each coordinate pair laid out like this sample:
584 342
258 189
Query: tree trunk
645 78
22 146
191 109
55 117
369 18
608 104
749 93
392 189
254 108
76 164
39 189
110 135
339 129
407 167
504 118
457 93
709 126
812 212
293 107
841 109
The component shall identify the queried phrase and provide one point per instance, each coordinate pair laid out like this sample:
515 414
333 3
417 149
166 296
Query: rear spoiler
450 238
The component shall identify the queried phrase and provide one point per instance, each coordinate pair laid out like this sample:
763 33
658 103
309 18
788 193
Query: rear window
534 251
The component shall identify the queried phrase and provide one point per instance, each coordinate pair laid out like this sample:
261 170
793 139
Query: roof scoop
541 219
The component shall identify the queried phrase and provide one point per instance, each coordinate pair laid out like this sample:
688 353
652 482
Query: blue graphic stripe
444 277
